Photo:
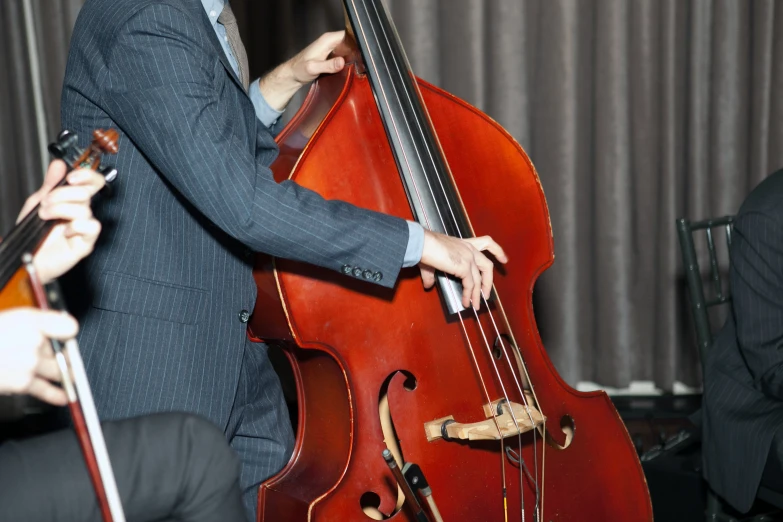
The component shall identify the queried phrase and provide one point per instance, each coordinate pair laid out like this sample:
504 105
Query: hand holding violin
28 363
74 238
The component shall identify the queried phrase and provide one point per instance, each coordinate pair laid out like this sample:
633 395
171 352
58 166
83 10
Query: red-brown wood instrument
411 407
20 286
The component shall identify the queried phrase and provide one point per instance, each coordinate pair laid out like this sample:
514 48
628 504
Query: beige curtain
635 112
21 171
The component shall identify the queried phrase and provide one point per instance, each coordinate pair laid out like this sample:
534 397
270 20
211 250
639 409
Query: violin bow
74 376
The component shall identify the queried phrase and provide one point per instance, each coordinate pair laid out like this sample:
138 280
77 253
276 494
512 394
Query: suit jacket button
347 269
357 272
244 316
367 274
377 276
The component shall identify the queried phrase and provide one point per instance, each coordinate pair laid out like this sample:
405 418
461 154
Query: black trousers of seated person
168 466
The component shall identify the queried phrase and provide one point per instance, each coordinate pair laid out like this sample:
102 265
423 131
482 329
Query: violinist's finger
68 194
54 174
88 179
48 369
66 211
47 392
88 228
56 325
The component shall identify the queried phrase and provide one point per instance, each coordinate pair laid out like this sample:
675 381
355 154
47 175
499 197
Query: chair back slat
714 273
699 303
728 233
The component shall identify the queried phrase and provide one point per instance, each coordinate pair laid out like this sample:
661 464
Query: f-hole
370 501
568 427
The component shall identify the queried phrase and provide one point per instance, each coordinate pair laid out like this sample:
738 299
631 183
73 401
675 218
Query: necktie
229 21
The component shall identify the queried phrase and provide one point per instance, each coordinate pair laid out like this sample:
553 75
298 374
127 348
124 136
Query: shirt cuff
415 244
265 114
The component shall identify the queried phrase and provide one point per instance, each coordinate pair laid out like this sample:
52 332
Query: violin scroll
67 149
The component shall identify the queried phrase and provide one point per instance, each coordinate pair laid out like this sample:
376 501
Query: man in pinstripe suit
743 375
170 288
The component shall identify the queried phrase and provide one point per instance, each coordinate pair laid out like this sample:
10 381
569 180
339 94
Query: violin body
350 342
17 292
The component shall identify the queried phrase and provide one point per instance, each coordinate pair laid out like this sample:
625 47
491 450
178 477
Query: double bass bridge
503 419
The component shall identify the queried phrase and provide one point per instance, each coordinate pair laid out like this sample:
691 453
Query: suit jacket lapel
216 44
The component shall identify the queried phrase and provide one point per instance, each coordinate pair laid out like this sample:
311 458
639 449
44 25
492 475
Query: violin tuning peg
66 141
108 172
56 150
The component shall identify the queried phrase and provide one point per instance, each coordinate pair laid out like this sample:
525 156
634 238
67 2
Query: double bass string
500 380
427 220
400 71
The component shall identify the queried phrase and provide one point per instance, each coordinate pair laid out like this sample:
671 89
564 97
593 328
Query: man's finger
467 289
317 67
487 269
427 276
87 178
56 325
47 392
54 174
48 369
330 40
67 211
487 243
52 324
336 64
70 194
477 287
83 227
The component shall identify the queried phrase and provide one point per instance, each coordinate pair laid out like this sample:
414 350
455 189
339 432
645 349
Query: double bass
409 406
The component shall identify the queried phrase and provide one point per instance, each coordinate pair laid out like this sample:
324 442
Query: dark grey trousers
168 466
259 428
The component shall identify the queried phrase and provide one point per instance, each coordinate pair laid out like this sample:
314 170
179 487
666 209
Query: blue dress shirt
269 116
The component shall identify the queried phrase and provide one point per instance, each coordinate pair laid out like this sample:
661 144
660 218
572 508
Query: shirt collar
213 9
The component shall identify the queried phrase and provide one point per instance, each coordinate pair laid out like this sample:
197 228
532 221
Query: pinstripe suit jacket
162 292
743 380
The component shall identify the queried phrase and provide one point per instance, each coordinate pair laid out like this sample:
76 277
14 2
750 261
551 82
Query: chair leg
714 511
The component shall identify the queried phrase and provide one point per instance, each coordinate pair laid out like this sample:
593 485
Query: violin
410 406
20 286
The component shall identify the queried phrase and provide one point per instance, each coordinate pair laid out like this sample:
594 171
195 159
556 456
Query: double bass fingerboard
426 178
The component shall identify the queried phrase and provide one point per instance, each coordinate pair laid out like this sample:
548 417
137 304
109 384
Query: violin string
26 235
453 217
22 238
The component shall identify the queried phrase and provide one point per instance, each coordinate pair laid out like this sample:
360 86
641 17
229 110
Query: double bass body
356 347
